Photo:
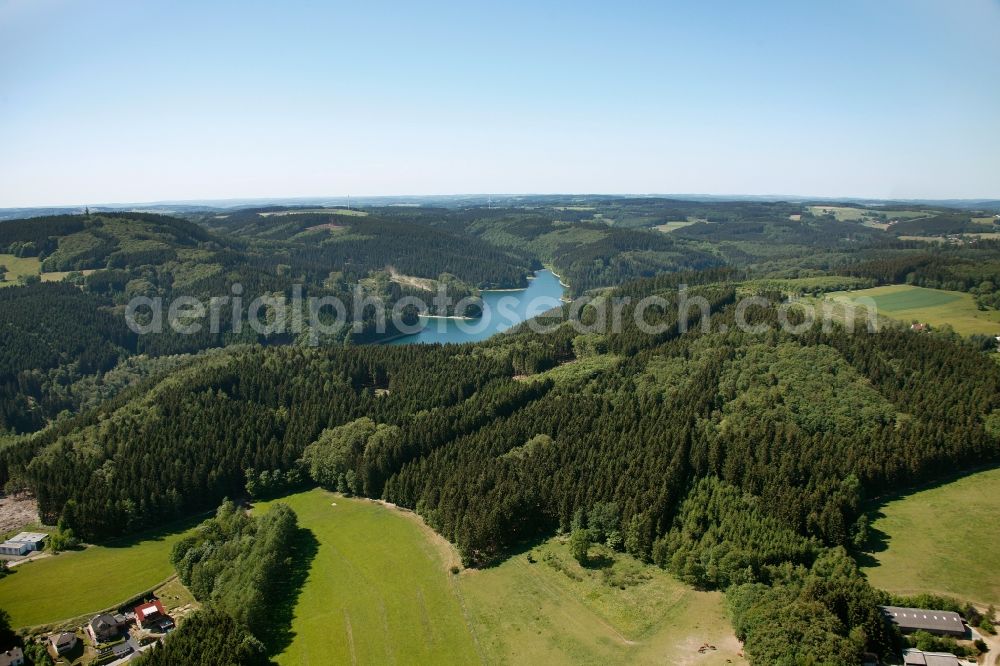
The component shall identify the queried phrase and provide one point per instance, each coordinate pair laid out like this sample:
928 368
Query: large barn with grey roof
942 623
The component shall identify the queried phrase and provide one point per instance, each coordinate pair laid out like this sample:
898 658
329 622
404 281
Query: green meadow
378 590
381 590
76 583
941 540
17 267
21 266
667 227
933 306
382 587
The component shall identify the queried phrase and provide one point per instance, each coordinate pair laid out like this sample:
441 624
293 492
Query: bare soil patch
16 512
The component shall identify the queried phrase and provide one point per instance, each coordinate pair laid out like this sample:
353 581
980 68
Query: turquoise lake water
501 310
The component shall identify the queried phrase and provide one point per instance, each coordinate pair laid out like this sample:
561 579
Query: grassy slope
71 584
943 539
933 306
566 614
379 591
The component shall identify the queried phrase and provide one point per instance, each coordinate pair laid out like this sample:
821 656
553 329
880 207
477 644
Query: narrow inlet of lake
501 310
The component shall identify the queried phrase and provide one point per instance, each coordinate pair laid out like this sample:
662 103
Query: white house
23 543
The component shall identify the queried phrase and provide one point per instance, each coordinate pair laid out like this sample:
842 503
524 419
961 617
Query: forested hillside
736 460
358 243
799 428
50 333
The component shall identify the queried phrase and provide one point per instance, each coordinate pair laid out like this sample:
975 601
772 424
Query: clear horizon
120 102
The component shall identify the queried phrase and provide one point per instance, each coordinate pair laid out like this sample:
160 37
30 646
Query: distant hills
463 200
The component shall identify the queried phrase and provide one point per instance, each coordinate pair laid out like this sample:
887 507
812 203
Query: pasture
933 306
77 583
941 540
380 590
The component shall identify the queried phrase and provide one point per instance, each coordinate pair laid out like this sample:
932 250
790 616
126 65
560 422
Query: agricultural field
933 306
873 218
76 583
850 213
381 590
941 540
841 213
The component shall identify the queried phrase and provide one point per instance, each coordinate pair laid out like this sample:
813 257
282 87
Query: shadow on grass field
279 634
941 538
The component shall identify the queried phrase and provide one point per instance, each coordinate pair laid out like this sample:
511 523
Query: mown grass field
71 584
933 306
943 540
380 591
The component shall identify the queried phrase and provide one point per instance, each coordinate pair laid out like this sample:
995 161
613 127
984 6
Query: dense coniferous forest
45 327
738 461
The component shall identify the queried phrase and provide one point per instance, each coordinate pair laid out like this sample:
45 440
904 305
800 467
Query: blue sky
149 100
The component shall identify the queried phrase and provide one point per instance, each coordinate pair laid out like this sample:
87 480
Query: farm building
942 623
12 657
23 543
106 627
913 657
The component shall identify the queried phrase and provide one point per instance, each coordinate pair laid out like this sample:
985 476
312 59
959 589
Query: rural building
12 657
151 615
942 623
917 658
23 543
63 643
105 627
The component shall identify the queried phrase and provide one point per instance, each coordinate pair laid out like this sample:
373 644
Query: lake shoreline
502 310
